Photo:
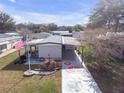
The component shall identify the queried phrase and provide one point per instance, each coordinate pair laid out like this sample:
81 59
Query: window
4 46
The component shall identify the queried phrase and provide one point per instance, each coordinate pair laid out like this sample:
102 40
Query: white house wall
76 34
54 50
9 46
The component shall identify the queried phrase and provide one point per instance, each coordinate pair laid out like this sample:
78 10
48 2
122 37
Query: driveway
75 77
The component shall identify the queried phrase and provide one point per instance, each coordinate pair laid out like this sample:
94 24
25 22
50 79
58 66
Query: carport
70 43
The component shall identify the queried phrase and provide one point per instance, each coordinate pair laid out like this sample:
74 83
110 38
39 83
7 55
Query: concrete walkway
7 52
75 76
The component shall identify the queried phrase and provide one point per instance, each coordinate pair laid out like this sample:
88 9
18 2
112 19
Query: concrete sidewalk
76 78
7 52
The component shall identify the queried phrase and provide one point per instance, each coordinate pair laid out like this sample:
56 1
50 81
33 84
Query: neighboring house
41 35
62 33
53 46
76 34
12 34
8 41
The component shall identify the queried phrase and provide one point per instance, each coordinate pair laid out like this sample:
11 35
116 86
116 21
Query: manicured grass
13 81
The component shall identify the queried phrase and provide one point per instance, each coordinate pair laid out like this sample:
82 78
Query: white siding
54 50
76 34
9 46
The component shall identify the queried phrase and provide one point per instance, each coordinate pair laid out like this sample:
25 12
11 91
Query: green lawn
13 81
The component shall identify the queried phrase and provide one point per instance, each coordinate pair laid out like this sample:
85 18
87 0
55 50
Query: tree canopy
36 28
6 22
108 13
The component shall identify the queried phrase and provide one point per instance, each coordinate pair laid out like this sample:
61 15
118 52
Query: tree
78 28
37 28
6 22
52 27
108 13
61 28
43 28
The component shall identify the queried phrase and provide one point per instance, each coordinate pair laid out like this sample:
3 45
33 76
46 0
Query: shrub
88 53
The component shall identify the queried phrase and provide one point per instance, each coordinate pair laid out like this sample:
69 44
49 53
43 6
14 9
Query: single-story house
53 46
76 34
62 33
8 41
12 34
40 35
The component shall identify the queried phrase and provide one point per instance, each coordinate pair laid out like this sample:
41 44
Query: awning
70 41
6 42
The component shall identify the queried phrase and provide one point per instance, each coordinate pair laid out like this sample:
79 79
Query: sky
61 12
